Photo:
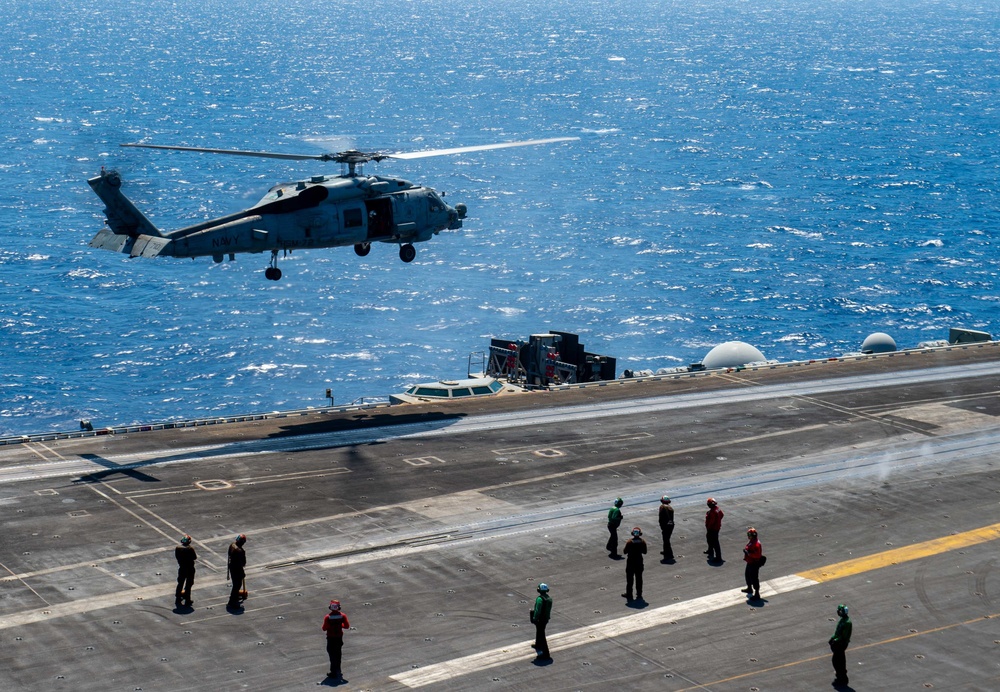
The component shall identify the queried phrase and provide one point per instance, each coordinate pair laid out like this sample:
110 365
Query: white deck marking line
586 442
51 451
86 605
87 563
520 651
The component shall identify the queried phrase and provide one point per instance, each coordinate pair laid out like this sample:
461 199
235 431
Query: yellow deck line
896 556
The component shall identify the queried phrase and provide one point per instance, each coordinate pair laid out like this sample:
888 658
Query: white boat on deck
447 390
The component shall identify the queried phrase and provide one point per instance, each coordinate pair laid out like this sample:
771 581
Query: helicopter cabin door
379 217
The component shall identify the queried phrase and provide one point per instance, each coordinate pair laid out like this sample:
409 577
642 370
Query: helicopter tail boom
122 216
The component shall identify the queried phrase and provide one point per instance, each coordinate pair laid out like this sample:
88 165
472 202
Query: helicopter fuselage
323 212
348 209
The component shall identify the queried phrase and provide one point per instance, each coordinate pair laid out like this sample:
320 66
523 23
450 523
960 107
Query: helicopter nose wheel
272 273
362 249
407 252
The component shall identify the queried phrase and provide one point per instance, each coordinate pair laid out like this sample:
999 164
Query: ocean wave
832 189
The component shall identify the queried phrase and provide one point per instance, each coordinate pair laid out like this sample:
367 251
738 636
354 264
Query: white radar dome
732 354
879 342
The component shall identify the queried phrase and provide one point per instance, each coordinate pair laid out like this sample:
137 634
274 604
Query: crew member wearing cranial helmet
614 521
539 616
186 556
713 524
634 549
237 572
666 526
334 624
753 555
838 645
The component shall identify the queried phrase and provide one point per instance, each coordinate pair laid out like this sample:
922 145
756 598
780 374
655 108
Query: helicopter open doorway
379 226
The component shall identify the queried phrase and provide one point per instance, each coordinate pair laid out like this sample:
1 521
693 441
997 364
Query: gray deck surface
433 524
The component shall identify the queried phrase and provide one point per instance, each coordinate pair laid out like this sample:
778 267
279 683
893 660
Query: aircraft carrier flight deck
873 482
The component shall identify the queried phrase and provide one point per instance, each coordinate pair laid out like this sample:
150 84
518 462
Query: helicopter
321 212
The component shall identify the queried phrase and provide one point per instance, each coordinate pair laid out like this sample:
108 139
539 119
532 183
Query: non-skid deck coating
874 483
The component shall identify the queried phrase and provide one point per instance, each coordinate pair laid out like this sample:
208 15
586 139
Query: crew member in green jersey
540 615
614 521
838 645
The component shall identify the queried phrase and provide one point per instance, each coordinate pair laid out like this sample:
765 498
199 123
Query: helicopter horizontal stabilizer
108 240
138 246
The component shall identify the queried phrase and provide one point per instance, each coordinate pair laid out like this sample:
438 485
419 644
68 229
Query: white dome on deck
732 354
879 342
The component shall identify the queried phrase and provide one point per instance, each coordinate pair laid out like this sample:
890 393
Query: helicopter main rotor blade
238 152
353 157
481 147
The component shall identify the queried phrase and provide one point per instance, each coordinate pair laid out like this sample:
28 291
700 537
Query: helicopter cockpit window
353 218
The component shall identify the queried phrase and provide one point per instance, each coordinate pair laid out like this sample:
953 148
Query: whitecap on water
505 311
266 367
356 355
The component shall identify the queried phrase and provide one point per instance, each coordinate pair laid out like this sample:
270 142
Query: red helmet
752 532
334 606
712 502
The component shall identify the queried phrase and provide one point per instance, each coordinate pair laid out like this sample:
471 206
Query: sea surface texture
794 174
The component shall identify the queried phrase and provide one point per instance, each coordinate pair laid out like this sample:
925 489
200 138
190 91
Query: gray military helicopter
321 212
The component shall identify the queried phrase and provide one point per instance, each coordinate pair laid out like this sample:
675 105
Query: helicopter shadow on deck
429 421
434 420
128 470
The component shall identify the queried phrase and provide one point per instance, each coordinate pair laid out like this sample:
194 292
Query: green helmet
619 502
842 610
543 588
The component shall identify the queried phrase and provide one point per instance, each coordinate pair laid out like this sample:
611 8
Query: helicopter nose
461 209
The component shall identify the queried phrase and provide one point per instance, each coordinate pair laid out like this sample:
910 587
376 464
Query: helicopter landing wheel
272 273
407 252
362 249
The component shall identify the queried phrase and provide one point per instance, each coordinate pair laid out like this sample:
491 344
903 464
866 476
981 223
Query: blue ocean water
795 174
